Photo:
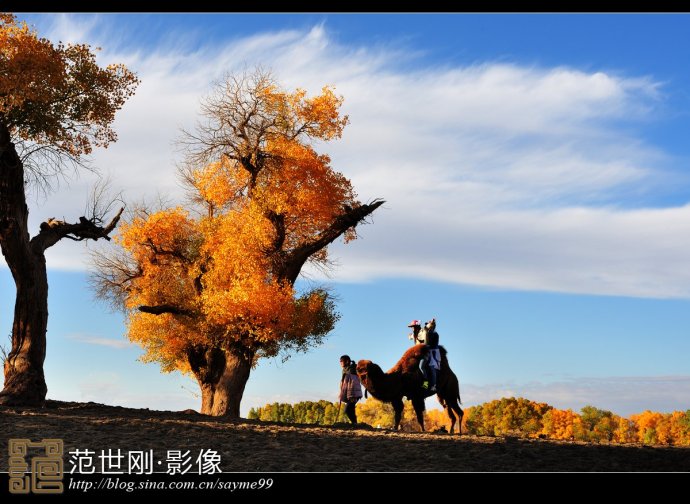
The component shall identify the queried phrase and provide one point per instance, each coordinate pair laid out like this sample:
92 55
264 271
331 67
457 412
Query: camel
405 380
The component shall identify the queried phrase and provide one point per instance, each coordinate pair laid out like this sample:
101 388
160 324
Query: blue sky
536 174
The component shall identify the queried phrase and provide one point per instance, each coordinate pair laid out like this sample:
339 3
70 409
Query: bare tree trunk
24 380
222 376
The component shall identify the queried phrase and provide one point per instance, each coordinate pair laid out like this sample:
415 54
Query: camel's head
363 368
367 370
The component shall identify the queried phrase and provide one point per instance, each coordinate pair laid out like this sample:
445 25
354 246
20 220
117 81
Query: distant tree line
306 412
503 417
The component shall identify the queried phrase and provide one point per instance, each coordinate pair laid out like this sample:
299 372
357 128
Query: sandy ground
247 445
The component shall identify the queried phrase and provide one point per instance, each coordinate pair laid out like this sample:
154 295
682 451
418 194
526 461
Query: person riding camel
416 329
431 362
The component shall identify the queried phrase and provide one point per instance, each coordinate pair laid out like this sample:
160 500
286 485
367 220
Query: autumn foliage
521 417
370 411
211 278
505 417
209 288
57 95
305 412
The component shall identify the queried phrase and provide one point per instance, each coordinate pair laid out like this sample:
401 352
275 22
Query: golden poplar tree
209 288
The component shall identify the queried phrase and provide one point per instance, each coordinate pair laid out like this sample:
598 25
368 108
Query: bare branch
102 201
47 165
294 261
177 254
111 225
112 277
52 231
237 121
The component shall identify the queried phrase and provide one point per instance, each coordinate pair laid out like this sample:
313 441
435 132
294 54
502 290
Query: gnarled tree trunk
222 376
24 379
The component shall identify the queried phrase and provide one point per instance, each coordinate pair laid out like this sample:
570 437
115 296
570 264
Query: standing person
350 387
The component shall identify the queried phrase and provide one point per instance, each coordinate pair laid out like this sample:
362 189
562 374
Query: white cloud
72 30
495 174
586 250
100 341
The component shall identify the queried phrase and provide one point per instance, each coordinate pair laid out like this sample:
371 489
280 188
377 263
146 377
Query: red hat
414 323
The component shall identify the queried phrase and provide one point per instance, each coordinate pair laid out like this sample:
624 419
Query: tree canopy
56 99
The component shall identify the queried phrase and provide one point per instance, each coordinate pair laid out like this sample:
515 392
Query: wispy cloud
621 394
495 174
113 389
98 340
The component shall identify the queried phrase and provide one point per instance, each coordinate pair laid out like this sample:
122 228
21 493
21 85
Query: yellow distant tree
625 431
376 413
209 289
558 424
680 427
594 424
664 430
436 419
513 416
409 420
56 105
647 423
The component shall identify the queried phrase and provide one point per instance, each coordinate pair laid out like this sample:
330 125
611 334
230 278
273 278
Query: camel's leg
418 404
445 406
398 408
459 413
451 417
449 411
